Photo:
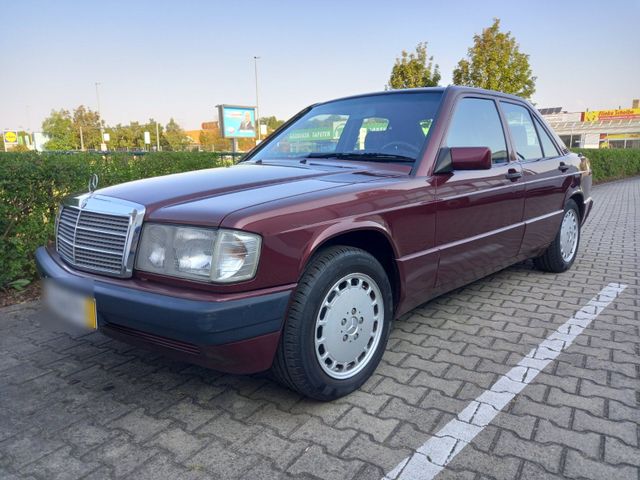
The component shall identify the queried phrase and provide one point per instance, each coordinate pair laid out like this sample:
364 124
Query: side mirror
463 158
470 158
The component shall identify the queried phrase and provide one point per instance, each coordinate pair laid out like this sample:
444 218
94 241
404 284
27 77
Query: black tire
551 260
296 365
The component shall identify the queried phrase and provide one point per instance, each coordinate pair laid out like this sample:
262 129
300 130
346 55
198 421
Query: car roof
451 89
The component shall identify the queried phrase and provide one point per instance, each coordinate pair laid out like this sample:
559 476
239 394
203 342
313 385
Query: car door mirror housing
470 158
463 158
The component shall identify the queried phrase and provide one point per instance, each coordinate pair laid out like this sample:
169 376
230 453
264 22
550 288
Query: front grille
93 240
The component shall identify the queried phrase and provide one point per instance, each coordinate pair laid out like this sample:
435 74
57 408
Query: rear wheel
338 325
561 254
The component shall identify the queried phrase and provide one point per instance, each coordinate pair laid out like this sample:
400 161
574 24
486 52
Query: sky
160 59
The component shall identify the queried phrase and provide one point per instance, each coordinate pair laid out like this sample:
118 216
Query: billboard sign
623 114
10 137
236 121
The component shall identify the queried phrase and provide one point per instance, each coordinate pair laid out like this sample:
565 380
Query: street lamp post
255 67
102 144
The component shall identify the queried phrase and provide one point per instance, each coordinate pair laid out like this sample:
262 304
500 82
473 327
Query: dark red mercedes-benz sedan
299 258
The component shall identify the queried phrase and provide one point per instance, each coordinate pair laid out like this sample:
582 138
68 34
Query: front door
479 213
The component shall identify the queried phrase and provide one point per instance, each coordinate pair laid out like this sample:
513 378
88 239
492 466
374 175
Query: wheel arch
373 240
578 197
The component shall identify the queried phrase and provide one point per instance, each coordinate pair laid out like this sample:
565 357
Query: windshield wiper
373 157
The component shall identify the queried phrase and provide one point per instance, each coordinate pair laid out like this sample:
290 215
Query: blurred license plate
75 308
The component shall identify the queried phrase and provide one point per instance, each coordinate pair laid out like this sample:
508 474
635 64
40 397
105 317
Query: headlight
222 256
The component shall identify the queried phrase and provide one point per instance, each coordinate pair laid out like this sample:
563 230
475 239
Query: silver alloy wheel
349 326
569 235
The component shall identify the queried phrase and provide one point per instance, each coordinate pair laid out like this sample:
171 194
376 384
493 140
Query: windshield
389 128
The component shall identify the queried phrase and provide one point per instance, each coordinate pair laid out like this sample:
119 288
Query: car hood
205 197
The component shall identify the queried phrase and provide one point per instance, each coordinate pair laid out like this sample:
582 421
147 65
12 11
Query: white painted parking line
437 452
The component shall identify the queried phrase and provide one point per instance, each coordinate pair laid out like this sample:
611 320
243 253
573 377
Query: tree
413 70
58 126
89 122
175 136
131 137
126 137
208 139
271 122
63 129
496 63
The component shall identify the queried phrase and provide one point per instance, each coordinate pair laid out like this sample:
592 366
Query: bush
32 185
612 164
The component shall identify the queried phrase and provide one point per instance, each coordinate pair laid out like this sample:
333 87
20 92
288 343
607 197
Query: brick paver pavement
90 407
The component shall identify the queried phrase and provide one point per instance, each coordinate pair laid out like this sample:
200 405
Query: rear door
545 176
479 213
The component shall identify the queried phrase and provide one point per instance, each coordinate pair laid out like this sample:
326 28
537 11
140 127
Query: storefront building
618 128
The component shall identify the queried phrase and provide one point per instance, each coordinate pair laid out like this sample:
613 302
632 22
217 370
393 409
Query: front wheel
338 324
561 254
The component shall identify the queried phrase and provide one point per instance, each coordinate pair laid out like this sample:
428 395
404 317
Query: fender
323 236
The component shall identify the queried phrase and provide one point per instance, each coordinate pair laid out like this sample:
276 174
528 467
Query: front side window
391 127
523 132
476 123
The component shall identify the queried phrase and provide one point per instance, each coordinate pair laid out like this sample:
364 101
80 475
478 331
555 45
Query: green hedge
612 164
32 185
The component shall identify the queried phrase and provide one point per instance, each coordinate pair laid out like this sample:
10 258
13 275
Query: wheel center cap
353 326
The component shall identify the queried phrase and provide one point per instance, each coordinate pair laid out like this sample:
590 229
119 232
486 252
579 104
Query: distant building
618 128
194 135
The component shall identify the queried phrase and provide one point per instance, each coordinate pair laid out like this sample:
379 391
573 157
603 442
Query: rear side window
523 133
548 147
476 123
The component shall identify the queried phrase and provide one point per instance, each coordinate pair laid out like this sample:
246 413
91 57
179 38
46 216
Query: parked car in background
298 259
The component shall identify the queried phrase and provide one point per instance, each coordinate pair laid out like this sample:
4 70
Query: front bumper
237 335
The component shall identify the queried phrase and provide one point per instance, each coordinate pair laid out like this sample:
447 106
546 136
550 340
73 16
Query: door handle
513 174
563 167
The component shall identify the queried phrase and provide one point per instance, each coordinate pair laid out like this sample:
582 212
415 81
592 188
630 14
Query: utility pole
81 140
103 145
157 136
255 67
29 129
